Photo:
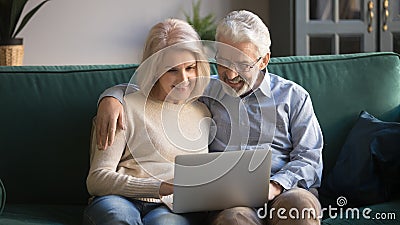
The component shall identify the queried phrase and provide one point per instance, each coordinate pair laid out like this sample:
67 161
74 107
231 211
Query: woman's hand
110 114
166 189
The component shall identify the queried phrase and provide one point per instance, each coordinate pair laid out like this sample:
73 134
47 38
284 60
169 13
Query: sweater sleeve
118 92
104 180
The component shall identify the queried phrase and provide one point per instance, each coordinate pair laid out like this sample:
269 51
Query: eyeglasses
239 67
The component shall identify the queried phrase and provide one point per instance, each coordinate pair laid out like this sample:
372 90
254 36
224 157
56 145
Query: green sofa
46 114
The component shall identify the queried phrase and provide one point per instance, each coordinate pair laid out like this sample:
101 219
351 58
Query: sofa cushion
34 214
367 169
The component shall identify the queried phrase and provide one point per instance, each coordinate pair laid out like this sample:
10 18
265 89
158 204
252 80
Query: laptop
220 180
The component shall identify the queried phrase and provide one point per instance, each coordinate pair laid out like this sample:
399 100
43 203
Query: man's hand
166 189
110 114
275 189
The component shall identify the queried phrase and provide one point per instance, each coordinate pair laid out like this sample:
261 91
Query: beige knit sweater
143 154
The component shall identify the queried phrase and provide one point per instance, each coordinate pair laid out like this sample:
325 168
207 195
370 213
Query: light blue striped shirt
280 113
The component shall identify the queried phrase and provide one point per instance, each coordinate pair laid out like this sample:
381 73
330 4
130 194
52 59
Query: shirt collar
265 86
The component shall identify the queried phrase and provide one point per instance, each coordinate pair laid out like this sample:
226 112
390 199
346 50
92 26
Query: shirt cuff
282 180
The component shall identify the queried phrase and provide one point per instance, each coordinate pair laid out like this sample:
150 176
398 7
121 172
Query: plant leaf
204 26
16 11
196 11
27 17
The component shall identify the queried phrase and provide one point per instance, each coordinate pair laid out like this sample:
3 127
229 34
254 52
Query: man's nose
230 74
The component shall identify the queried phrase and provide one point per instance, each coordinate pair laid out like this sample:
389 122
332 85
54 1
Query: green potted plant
11 47
205 26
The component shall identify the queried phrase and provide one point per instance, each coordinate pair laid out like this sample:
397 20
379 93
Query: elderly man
252 107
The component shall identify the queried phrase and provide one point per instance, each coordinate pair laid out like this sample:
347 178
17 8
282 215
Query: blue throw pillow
367 169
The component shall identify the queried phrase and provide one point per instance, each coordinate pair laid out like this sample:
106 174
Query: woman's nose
183 76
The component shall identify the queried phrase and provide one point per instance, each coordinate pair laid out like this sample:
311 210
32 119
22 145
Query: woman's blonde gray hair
166 36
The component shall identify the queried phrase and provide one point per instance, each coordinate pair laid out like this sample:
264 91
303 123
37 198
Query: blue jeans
114 209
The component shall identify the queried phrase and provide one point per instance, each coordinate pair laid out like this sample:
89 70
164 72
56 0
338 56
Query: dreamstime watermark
333 212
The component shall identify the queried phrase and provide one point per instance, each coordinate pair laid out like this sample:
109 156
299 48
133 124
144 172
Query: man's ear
265 61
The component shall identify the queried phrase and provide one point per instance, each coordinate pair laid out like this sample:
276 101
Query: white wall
101 31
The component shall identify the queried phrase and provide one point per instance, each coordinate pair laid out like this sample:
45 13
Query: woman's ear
265 61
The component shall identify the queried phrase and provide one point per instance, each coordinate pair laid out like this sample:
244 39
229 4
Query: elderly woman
163 119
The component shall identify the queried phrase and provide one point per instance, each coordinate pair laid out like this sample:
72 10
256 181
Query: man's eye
243 66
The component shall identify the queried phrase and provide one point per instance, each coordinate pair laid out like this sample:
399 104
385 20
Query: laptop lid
220 180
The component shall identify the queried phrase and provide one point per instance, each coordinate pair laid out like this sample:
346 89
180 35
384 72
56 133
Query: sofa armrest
2 197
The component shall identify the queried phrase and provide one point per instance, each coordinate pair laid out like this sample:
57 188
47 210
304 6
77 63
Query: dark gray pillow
368 165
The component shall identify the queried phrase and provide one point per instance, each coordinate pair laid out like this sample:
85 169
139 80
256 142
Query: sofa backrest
46 114
341 86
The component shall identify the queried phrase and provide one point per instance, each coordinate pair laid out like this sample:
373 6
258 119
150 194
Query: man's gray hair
245 26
